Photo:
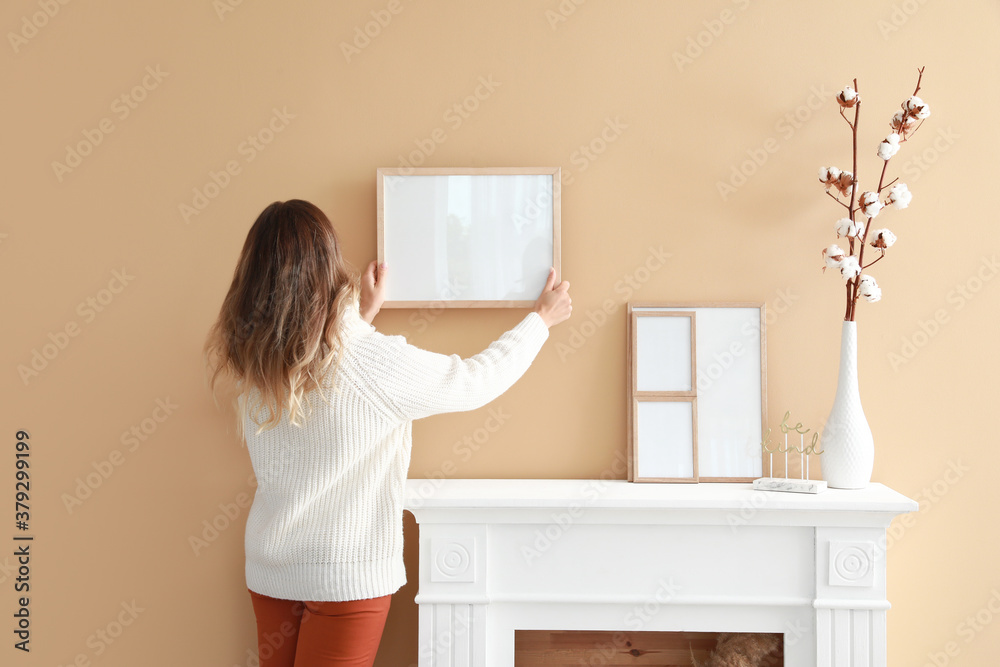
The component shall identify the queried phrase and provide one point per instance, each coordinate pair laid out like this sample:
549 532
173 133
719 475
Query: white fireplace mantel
502 555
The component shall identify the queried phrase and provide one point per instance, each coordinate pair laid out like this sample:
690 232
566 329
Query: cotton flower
869 204
845 182
829 176
916 108
899 196
833 256
832 177
882 239
901 123
889 146
848 97
848 227
849 268
869 289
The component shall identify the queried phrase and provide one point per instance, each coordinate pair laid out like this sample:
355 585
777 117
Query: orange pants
292 633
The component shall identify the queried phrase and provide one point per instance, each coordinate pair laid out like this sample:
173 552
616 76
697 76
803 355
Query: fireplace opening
576 648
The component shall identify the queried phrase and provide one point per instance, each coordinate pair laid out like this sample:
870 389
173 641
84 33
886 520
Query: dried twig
837 199
873 261
887 185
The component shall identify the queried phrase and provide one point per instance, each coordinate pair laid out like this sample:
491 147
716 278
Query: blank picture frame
666 427
468 237
666 369
729 382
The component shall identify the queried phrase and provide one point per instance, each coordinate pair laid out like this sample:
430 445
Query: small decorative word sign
801 485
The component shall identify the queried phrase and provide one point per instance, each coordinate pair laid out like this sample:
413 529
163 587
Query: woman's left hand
372 290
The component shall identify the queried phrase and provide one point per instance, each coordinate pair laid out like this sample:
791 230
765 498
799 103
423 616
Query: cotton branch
911 111
873 261
852 283
920 76
864 237
837 199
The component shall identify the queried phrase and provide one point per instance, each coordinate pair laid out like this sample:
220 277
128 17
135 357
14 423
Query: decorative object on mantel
696 391
744 649
848 446
801 485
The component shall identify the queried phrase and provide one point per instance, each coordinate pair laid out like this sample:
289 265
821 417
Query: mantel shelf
596 493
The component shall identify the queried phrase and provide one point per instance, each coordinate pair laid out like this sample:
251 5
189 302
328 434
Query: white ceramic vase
847 444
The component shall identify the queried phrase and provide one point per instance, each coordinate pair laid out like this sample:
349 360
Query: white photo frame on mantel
468 237
726 349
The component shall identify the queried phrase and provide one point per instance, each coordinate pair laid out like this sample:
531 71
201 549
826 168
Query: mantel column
850 597
453 595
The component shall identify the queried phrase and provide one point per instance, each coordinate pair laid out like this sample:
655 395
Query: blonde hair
278 330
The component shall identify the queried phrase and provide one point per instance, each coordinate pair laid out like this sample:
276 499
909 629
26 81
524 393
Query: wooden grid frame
637 396
555 172
631 365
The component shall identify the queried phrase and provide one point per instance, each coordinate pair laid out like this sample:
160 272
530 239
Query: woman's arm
418 383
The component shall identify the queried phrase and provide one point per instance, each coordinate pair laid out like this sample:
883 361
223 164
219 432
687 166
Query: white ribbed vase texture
847 444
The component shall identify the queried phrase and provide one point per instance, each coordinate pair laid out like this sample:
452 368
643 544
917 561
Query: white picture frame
468 237
729 355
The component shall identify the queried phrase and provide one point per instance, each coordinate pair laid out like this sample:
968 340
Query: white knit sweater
327 517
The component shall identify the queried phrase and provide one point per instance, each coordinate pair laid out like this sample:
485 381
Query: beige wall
681 129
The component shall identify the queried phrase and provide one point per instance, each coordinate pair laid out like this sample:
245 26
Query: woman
326 405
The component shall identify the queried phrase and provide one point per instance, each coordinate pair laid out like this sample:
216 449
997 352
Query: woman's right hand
554 304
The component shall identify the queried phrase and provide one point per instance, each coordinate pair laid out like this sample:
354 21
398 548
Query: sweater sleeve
418 383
